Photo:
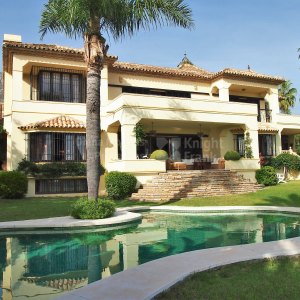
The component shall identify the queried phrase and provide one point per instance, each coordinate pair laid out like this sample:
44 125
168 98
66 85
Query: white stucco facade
180 105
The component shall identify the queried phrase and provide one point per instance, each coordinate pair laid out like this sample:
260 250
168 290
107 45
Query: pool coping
147 280
131 214
121 216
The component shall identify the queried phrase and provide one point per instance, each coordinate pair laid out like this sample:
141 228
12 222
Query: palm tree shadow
291 200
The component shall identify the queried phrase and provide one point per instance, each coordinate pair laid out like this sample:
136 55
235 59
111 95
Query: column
128 142
254 144
278 147
272 99
223 87
104 86
17 79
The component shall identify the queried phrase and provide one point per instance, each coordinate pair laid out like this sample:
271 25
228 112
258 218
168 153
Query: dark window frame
60 186
61 97
55 145
155 92
237 138
262 141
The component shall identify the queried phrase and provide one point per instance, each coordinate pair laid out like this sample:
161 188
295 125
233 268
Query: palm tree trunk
93 131
94 57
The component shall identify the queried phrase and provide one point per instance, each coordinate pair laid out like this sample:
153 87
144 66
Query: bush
119 185
267 176
286 160
91 209
28 167
232 155
54 170
13 184
159 155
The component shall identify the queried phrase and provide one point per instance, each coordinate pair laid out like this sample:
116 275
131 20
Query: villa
193 114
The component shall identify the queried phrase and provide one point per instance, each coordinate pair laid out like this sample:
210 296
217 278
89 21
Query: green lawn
284 194
287 194
43 207
274 279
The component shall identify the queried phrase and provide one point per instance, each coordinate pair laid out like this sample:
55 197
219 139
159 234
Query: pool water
42 265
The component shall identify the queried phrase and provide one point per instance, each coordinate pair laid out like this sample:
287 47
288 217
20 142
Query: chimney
12 38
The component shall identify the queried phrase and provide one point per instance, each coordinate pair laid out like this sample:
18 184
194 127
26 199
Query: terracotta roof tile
46 47
249 74
185 69
60 122
266 128
185 72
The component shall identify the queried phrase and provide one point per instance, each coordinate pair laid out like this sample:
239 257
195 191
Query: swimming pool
43 264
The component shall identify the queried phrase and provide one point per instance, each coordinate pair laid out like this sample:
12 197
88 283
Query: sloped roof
266 128
248 74
186 69
46 47
60 122
150 69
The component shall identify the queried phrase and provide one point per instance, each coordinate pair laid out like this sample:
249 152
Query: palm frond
67 16
115 17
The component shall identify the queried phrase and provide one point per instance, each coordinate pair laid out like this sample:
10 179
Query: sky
231 33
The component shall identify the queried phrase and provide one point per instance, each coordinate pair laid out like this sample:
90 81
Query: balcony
265 116
179 109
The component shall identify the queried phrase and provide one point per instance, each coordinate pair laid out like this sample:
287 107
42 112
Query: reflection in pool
42 265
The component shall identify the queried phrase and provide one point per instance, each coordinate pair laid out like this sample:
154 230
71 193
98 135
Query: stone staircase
174 185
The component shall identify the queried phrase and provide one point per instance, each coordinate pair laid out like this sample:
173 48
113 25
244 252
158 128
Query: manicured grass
284 194
44 207
274 279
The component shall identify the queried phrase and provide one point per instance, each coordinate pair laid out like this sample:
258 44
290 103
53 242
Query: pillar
223 87
254 144
104 86
128 142
278 145
272 99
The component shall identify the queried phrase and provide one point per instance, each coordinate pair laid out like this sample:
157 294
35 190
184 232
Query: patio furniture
280 178
178 165
218 163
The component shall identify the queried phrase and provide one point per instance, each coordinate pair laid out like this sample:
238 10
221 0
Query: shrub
28 167
54 170
267 176
159 155
286 160
298 150
119 185
232 155
13 184
91 209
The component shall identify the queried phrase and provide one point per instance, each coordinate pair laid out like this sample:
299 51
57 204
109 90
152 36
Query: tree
91 19
287 97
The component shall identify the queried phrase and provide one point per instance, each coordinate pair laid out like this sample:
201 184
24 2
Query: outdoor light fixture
201 134
152 132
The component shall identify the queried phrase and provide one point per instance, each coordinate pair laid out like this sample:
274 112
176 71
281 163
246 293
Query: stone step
187 184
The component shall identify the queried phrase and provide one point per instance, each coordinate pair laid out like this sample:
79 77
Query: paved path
149 279
121 216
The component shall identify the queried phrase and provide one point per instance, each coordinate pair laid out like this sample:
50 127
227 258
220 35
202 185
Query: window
266 144
177 146
56 146
156 92
60 186
239 144
58 86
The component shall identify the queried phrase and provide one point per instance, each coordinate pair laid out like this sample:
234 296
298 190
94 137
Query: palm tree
91 19
287 97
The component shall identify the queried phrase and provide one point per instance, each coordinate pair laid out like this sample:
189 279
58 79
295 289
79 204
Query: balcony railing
265 116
